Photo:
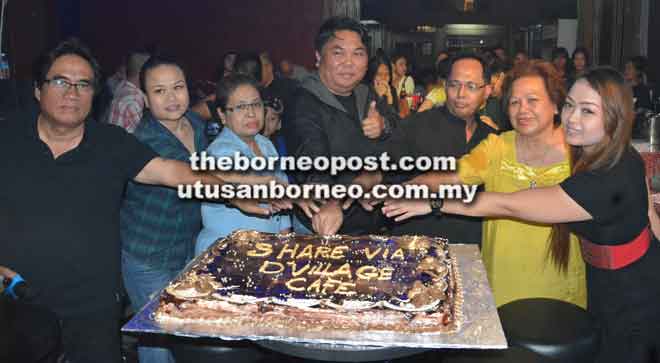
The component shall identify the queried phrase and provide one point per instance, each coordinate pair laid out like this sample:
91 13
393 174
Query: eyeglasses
244 107
470 86
63 85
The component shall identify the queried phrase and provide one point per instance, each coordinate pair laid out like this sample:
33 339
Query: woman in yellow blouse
532 155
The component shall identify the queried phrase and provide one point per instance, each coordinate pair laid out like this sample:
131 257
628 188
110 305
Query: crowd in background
500 115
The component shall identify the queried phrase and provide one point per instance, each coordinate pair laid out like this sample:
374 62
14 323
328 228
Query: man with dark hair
492 112
520 57
333 114
248 63
128 100
452 130
276 93
61 195
502 56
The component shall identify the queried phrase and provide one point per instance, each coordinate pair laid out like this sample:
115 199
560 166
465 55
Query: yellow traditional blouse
515 253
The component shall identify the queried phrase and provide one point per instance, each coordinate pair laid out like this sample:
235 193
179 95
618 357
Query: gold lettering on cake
370 255
322 251
338 253
291 284
331 285
263 250
294 268
386 253
366 272
271 268
324 270
398 254
306 252
346 288
286 250
386 273
315 286
312 271
320 270
344 270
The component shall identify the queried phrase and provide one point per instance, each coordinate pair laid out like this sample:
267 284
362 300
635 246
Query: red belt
617 256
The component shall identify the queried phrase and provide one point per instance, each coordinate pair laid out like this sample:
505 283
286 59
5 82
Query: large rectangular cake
404 284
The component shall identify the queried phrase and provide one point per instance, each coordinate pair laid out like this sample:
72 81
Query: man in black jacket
333 114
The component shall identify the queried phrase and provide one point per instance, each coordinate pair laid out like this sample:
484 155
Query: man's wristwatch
436 205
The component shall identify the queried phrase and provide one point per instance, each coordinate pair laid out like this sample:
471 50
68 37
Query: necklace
525 161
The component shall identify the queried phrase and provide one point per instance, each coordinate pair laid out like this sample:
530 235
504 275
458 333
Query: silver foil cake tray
480 327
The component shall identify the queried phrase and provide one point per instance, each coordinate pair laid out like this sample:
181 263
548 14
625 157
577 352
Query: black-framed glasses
455 85
244 107
64 85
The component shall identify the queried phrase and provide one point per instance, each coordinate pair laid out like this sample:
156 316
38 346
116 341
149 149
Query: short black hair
335 24
474 56
229 84
135 61
153 62
71 46
231 52
248 63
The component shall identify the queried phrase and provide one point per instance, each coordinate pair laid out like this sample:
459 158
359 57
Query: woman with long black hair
606 203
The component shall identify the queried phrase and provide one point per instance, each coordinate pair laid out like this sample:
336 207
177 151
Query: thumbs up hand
373 125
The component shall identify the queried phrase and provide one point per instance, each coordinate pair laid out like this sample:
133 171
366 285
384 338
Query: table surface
480 329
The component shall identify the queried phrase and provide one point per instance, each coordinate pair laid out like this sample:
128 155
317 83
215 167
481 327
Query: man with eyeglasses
451 130
63 180
333 114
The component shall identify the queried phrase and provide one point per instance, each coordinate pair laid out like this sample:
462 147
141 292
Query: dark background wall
654 41
30 27
200 32
197 32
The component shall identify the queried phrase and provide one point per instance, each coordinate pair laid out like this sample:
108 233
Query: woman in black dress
606 203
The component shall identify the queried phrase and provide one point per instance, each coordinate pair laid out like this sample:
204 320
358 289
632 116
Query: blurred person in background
378 77
403 83
228 63
520 57
128 100
562 64
581 61
492 112
634 72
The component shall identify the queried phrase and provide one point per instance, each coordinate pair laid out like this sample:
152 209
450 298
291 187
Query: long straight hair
618 116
